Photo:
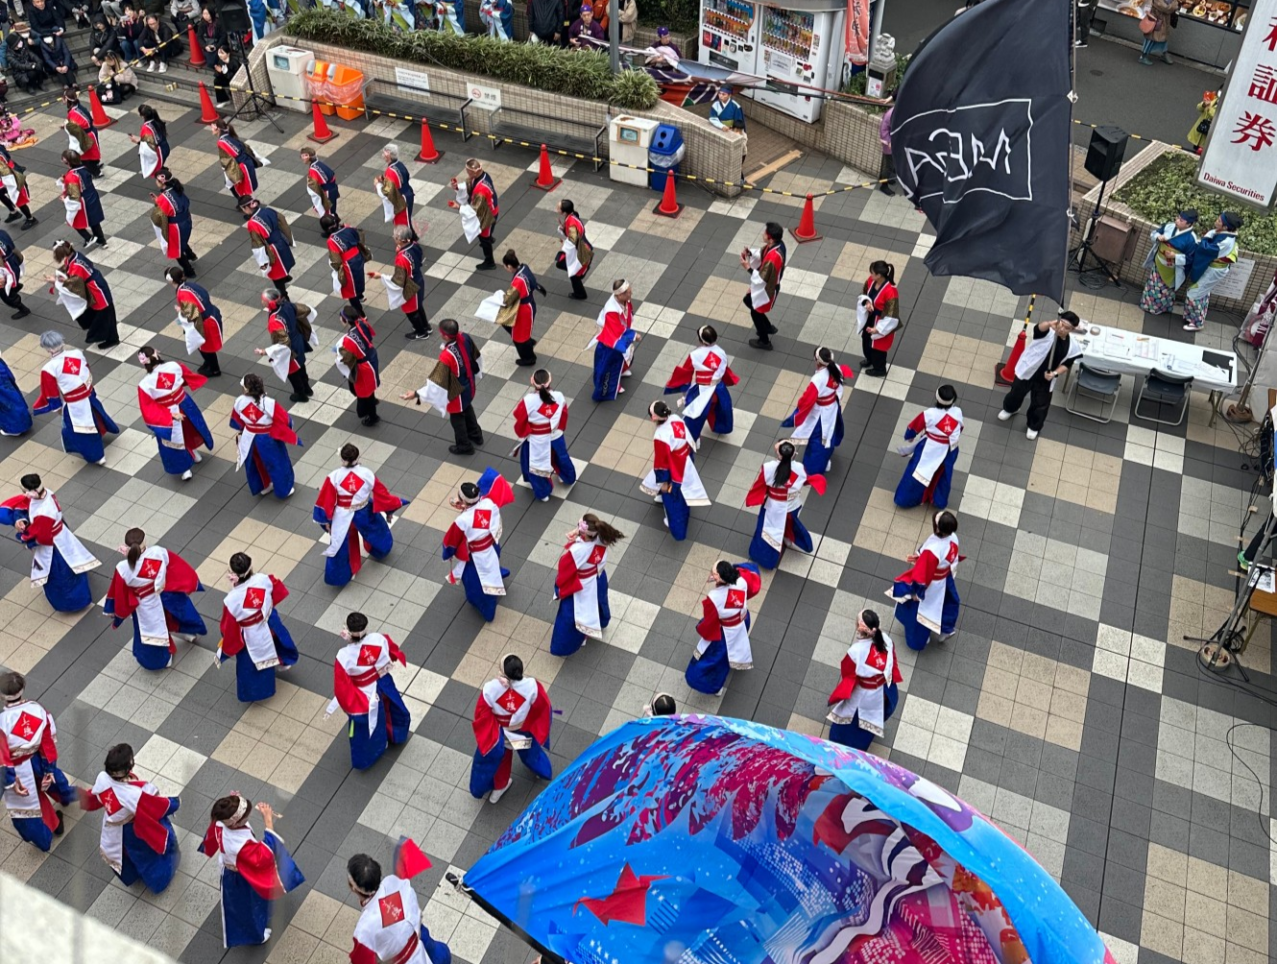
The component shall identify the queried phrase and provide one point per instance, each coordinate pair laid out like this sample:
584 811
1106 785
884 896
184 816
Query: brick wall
712 156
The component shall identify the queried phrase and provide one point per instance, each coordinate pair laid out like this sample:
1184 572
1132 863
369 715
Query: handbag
1174 19
1148 24
1203 126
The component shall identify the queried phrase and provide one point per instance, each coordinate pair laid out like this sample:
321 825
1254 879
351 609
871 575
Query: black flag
980 140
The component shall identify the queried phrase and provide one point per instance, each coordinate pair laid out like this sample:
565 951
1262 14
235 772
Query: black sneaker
30 223
759 343
524 362
21 312
772 329
485 266
458 450
370 420
417 335
12 217
874 372
298 398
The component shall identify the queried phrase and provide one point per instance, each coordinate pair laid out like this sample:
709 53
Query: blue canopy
707 839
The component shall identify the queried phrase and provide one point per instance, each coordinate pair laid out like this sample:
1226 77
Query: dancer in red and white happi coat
263 431
60 563
366 692
355 507
926 598
137 839
867 694
254 872
389 929
252 631
169 411
580 585
67 384
674 480
512 713
778 493
931 444
724 627
153 586
878 317
539 420
29 774
614 344
817 420
704 377
473 541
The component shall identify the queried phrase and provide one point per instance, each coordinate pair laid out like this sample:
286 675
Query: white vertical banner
1241 154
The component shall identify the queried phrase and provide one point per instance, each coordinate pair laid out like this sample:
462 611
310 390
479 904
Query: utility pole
614 34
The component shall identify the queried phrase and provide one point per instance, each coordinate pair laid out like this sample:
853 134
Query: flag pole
1068 221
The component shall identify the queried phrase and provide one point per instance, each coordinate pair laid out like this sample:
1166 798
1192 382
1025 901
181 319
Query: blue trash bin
664 155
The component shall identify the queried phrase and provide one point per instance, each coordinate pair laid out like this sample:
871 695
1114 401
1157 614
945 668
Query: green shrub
581 74
856 85
681 16
1169 185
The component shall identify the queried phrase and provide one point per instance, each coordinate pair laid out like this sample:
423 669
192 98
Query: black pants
420 323
485 244
1038 390
357 304
301 384
1085 13
525 349
886 172
282 286
366 408
762 324
13 299
95 232
465 426
100 326
8 202
578 288
211 365
876 357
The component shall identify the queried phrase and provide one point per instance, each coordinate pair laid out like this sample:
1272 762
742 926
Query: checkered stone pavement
1068 707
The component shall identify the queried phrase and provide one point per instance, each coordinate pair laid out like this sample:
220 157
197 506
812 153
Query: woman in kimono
15 414
365 691
354 507
1172 243
614 344
704 377
867 694
151 141
137 840
539 421
674 480
31 783
724 627
513 712
153 586
926 599
263 428
818 418
580 585
67 384
239 163
878 317
172 219
931 445
1209 262
59 561
473 541
778 493
164 396
252 631
254 872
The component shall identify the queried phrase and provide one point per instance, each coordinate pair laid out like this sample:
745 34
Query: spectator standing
1158 38
628 15
887 170
1205 114
547 22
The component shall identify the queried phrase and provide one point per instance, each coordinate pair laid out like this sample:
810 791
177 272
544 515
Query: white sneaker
269 489
496 795
545 498
1005 416
101 461
186 476
266 935
1030 435
150 68
164 68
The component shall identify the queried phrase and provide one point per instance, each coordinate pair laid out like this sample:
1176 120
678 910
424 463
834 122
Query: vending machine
790 46
729 37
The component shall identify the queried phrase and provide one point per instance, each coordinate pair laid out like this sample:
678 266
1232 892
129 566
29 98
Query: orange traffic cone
100 117
321 133
669 206
197 52
208 113
546 181
428 153
1005 375
806 230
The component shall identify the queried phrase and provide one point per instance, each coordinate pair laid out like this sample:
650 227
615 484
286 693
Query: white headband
469 501
241 811
945 401
625 286
16 697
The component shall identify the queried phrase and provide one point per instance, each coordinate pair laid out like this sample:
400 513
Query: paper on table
1267 581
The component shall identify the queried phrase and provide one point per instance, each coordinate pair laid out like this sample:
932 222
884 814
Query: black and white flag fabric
980 136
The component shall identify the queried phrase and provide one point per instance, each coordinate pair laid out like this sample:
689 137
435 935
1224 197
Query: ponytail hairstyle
62 251
223 126
659 410
254 386
597 529
871 621
151 116
945 524
664 705
541 382
884 270
511 260
785 467
725 571
72 158
707 335
242 565
350 315
175 275
134 540
825 356
149 358
566 207
170 182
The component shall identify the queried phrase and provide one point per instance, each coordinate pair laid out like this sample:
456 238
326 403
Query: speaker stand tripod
1085 250
254 105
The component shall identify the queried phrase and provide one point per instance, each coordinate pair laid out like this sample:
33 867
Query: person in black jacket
128 33
46 19
26 65
157 44
225 66
102 40
209 34
547 22
58 62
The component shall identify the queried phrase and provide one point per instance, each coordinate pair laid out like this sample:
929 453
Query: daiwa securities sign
1241 155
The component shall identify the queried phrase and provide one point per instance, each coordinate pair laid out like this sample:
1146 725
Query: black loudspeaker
1104 156
233 18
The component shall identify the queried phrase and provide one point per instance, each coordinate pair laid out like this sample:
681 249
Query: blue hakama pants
566 638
